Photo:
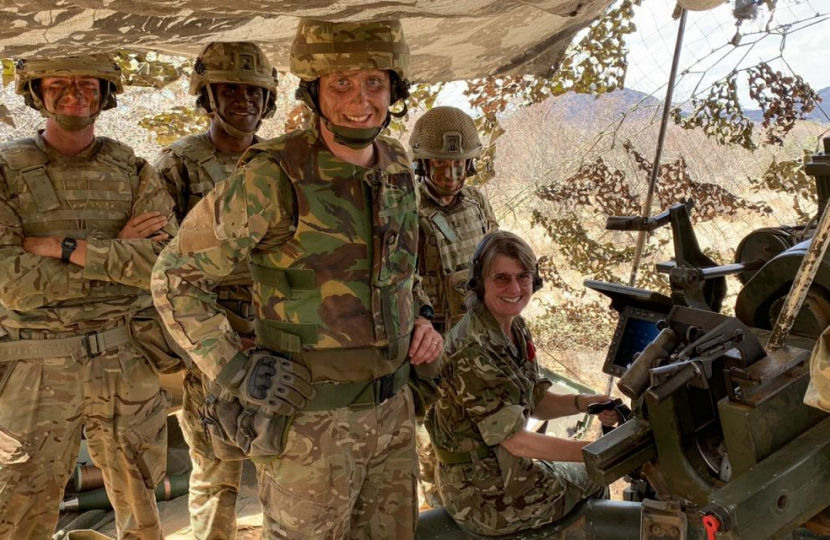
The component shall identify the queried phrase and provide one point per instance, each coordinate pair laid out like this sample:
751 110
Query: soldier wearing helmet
454 217
82 220
236 85
328 217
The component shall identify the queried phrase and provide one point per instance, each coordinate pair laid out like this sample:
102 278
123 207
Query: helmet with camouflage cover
29 72
445 134
238 62
323 47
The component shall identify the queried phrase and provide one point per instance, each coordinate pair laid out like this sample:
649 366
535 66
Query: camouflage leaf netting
450 39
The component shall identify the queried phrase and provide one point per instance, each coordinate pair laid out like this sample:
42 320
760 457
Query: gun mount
720 432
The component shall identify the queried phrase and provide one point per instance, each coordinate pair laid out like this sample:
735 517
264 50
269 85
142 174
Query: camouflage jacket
91 195
448 238
190 168
489 389
255 213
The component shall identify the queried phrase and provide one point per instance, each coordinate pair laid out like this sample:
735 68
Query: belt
458 458
366 394
84 346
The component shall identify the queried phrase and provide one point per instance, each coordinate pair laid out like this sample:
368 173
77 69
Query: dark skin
241 105
81 96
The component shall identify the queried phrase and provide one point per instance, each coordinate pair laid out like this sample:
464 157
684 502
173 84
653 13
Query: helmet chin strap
67 122
231 130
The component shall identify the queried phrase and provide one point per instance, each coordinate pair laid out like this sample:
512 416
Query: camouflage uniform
449 234
332 251
191 167
448 238
100 382
488 391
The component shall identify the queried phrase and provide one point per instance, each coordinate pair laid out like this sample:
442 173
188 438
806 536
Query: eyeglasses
503 279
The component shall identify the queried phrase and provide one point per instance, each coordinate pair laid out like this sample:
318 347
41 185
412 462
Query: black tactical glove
277 384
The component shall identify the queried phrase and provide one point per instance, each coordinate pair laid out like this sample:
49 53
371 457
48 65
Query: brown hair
498 243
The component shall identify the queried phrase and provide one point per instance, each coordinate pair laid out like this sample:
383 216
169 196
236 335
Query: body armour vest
449 236
205 168
344 280
77 198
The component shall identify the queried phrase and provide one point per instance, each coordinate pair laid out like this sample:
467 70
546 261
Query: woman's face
507 288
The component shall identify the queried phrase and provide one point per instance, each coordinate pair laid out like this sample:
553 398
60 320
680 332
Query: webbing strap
285 336
85 346
212 167
457 458
278 278
441 222
332 396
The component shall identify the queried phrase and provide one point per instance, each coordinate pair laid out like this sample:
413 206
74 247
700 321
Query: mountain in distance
574 107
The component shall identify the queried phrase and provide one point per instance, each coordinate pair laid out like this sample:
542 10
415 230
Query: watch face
68 243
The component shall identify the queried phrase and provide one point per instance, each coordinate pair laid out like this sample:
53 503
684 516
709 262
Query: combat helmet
101 66
323 47
445 133
239 62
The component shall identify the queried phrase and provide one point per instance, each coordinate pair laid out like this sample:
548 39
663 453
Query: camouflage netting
450 39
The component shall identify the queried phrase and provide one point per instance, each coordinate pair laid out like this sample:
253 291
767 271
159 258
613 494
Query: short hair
496 243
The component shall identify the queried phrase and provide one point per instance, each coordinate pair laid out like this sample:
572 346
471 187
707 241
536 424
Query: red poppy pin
531 351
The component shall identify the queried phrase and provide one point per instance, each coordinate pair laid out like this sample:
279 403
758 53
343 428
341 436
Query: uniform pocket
146 442
13 452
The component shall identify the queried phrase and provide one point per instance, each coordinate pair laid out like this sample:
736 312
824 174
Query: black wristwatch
68 245
427 313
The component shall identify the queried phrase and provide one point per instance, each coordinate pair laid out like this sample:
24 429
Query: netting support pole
655 168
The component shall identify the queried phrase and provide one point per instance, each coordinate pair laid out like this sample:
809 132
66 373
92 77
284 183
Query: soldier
237 86
82 220
496 477
328 217
453 218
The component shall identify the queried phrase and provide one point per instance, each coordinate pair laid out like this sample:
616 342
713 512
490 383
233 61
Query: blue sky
807 51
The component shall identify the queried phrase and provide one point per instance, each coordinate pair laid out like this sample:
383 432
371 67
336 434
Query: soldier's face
507 288
356 99
446 176
71 96
241 105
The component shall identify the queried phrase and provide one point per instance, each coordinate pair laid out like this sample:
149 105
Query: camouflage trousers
345 473
426 463
44 406
215 479
479 502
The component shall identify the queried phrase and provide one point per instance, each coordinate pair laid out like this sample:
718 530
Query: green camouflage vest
450 235
344 280
75 198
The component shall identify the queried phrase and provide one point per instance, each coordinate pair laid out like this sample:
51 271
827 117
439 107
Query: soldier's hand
277 384
146 225
426 343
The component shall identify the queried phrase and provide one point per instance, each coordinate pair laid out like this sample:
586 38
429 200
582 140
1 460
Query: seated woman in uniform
494 476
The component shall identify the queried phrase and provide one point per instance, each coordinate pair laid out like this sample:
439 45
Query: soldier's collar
458 199
87 153
502 340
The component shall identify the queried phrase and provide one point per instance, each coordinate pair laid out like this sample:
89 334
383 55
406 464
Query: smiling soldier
82 220
236 85
328 216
